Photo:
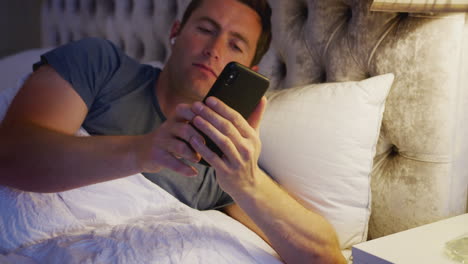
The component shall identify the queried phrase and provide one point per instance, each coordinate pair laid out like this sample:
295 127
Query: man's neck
169 96
166 100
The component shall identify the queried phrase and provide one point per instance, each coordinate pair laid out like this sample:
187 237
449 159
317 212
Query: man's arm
297 234
40 152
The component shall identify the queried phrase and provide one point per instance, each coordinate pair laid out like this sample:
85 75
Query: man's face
217 32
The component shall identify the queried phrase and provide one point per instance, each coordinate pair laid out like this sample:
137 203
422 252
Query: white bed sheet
129 220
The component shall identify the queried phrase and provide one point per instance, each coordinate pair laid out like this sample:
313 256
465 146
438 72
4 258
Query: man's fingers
184 112
257 114
183 131
224 142
222 118
234 117
212 158
179 166
181 149
178 144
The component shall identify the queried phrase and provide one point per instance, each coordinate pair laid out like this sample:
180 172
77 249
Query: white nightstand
424 244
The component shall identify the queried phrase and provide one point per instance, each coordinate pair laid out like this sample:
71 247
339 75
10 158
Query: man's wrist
252 192
134 153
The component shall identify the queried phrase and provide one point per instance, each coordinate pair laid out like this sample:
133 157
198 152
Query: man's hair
263 10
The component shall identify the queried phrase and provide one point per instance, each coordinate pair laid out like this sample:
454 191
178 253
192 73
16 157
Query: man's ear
175 30
254 68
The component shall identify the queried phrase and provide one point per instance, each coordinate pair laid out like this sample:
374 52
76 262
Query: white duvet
130 220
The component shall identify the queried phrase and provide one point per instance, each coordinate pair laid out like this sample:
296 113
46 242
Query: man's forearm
297 234
40 160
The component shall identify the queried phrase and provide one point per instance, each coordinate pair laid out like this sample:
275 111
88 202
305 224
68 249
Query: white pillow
7 95
14 70
319 143
18 65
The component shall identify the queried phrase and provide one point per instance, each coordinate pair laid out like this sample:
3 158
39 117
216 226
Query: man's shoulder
99 46
94 42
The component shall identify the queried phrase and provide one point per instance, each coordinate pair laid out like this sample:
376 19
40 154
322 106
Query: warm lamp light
420 5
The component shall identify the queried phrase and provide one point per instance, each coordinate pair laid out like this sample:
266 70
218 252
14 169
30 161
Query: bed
367 117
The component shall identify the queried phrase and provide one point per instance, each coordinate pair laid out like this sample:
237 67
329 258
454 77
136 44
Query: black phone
241 89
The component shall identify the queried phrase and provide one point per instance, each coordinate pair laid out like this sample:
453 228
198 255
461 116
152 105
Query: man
144 120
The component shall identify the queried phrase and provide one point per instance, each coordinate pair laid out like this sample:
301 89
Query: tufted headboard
419 174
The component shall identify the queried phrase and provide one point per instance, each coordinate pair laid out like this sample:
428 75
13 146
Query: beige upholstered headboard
419 173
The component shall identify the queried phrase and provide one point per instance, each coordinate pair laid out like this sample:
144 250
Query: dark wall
19 25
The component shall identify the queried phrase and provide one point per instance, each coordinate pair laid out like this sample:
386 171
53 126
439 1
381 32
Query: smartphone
241 89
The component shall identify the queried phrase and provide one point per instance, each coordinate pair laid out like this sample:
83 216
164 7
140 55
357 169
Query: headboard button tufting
149 8
76 7
49 5
92 6
69 37
282 70
121 44
323 77
57 37
161 51
349 13
140 49
129 7
109 7
303 12
174 9
63 5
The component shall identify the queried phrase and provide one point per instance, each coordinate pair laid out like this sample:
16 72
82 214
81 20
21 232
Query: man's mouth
206 68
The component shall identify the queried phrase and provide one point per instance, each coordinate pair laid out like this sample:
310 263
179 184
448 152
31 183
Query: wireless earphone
173 39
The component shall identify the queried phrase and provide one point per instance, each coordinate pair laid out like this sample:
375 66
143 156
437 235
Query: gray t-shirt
120 95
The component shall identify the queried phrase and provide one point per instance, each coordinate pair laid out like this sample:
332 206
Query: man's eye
236 48
205 30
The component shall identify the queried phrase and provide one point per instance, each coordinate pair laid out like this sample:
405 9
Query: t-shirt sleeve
223 199
87 64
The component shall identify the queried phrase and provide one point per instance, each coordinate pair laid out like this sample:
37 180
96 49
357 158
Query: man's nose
213 49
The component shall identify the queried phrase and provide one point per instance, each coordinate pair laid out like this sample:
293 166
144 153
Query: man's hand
299 235
167 145
238 139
